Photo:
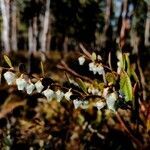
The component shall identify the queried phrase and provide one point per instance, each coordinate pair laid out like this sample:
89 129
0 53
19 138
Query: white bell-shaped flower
49 94
95 91
91 65
39 87
110 100
77 103
105 92
81 60
100 69
21 84
68 94
30 87
10 77
100 105
99 57
59 95
84 104
94 69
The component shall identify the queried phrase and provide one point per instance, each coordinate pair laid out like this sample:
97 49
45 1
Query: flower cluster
107 95
29 87
93 66
96 68
110 99
94 91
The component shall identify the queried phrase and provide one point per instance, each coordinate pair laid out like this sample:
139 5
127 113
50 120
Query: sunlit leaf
7 141
125 86
93 56
128 63
110 77
8 61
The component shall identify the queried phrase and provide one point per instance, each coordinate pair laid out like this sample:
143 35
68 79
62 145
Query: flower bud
81 60
68 94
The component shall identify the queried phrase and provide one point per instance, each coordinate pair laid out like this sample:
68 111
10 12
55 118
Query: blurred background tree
60 25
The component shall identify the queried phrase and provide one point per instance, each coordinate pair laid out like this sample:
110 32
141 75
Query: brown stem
142 79
136 141
85 51
65 88
65 67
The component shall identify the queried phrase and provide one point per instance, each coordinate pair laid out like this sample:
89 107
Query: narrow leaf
128 63
42 69
93 56
81 84
8 61
125 86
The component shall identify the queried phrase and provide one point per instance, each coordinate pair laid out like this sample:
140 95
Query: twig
136 141
65 67
85 51
142 79
109 61
65 88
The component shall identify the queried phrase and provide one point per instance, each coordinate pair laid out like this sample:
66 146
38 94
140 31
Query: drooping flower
81 60
100 69
39 87
59 95
91 65
21 83
110 100
10 77
77 103
30 87
84 104
49 94
100 105
105 92
99 57
96 68
68 94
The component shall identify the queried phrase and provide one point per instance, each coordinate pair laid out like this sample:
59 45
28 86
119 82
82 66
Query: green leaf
128 63
133 73
42 68
125 86
7 141
111 77
8 61
81 84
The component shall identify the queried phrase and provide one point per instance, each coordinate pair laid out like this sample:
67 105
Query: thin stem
136 141
65 67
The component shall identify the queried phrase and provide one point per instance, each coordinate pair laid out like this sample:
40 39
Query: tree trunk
124 24
107 15
14 26
30 38
5 9
35 33
147 27
45 26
